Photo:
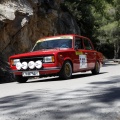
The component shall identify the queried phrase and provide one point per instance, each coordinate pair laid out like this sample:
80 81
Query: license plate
30 73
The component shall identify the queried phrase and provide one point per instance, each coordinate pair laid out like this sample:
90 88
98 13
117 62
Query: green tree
100 21
111 30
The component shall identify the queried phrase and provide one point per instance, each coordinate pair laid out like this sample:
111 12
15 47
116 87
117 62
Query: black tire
66 71
21 79
96 70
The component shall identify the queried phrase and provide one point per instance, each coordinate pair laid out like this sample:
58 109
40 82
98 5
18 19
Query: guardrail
117 60
113 60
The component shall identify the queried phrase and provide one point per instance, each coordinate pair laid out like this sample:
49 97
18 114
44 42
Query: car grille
31 59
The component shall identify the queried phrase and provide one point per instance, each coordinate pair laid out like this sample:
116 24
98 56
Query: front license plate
30 73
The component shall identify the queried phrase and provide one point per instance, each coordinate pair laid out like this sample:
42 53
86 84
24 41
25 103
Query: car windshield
53 44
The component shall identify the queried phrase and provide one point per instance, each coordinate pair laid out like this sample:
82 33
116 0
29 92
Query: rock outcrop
22 22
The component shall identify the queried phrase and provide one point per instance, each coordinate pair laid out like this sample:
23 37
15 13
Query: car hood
41 53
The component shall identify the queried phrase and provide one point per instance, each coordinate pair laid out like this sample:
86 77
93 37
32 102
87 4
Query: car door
80 56
89 52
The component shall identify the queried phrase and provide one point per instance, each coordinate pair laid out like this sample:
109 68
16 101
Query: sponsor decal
83 61
78 53
66 37
55 38
40 40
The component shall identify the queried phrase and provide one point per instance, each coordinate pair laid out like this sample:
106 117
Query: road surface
84 97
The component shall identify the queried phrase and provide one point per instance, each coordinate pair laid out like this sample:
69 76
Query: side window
87 44
78 43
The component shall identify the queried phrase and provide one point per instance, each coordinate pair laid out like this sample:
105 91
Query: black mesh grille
31 59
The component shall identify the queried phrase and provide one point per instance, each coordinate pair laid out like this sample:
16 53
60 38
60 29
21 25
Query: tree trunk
116 49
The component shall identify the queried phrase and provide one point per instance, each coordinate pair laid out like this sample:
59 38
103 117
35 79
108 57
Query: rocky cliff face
22 22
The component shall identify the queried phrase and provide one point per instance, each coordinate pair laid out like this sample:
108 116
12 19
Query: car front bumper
43 71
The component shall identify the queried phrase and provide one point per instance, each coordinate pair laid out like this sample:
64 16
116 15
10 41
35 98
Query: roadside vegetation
5 74
100 21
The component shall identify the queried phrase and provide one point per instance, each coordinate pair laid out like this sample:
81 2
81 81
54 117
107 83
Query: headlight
38 64
18 65
24 65
15 61
49 59
31 64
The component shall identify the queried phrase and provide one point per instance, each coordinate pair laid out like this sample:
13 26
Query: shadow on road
97 101
110 94
74 76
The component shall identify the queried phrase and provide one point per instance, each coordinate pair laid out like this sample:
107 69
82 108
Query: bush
5 74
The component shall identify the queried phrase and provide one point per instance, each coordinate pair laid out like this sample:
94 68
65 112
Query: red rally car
59 56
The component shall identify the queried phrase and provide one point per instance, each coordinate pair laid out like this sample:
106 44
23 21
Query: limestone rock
23 22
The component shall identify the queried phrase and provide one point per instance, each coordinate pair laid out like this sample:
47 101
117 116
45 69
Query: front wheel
21 79
96 69
66 71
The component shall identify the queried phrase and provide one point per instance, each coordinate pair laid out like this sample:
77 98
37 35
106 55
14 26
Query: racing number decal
83 61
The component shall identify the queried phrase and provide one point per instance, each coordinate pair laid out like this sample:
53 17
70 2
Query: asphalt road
84 97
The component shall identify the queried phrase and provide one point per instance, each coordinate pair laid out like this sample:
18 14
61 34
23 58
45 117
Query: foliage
5 74
100 21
